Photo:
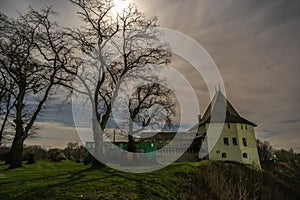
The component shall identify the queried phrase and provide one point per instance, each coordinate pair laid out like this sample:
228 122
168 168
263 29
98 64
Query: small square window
234 141
226 141
245 155
224 155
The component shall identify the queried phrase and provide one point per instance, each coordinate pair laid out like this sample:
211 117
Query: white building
236 139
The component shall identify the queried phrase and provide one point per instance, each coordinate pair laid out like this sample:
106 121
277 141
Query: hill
201 180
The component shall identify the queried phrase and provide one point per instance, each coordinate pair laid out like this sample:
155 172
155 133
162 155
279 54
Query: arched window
245 155
224 155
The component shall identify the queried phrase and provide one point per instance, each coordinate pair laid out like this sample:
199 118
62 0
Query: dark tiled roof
218 110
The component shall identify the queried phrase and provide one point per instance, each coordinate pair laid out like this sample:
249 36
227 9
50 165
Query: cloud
256 47
58 113
53 134
255 44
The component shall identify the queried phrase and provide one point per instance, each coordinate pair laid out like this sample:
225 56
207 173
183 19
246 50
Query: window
228 125
242 126
218 151
246 127
245 155
244 142
234 141
226 141
224 155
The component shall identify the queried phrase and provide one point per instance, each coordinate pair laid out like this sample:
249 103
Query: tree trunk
3 126
98 145
5 120
15 158
98 153
98 139
131 144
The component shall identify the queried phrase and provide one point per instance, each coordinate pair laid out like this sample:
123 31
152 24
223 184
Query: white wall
234 152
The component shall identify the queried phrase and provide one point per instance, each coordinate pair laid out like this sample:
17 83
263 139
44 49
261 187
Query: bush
228 180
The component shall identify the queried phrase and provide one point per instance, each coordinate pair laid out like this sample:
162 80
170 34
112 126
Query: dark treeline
269 154
73 152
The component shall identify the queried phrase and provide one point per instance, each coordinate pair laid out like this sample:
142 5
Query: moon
120 6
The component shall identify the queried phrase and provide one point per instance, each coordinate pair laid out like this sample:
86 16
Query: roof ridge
216 106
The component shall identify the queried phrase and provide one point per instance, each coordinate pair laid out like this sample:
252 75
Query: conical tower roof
216 109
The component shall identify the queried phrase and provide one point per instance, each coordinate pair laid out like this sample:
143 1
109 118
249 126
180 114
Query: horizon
254 44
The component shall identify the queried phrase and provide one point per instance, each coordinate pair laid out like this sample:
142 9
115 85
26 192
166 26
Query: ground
69 180
197 180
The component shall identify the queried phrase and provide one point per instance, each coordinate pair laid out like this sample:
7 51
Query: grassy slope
200 180
229 180
69 180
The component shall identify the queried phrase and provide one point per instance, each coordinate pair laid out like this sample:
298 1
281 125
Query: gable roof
215 112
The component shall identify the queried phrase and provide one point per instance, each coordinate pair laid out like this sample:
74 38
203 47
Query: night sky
255 44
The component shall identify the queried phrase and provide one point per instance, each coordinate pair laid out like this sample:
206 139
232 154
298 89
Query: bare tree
126 30
146 97
7 100
91 39
34 56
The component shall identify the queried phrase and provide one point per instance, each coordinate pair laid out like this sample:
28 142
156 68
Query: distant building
236 140
167 145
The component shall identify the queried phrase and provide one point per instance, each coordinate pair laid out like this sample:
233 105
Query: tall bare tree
150 96
122 32
91 38
34 55
6 86
7 101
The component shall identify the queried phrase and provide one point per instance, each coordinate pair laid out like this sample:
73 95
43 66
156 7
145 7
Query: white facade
236 139
236 142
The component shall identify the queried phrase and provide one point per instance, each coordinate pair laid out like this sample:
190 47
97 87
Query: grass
197 180
69 180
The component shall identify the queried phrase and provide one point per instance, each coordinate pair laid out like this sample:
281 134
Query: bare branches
116 47
35 57
145 98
